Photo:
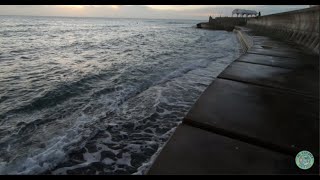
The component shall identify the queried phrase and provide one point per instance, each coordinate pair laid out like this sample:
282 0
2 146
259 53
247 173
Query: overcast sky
200 12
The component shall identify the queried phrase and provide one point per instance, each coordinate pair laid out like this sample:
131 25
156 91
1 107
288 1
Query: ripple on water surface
99 96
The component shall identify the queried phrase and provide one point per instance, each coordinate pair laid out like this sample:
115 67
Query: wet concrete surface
303 81
265 103
282 62
258 114
195 151
275 52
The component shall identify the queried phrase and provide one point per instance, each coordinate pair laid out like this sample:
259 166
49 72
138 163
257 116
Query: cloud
267 9
200 12
176 7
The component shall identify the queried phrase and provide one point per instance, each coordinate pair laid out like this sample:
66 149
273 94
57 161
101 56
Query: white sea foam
72 102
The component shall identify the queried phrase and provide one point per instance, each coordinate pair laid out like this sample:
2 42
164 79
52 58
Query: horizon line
101 17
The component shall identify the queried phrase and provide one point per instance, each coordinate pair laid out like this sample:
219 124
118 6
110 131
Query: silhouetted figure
210 19
259 14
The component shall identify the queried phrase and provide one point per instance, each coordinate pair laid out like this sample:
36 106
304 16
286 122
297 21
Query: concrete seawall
222 23
246 42
246 121
300 26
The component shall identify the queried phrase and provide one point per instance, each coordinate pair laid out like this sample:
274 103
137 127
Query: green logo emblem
304 160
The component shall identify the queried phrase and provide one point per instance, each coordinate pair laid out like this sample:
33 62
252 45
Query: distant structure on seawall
228 23
243 12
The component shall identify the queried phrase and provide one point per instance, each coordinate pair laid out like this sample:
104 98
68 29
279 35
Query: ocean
99 95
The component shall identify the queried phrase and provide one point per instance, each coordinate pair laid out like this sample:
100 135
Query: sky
197 12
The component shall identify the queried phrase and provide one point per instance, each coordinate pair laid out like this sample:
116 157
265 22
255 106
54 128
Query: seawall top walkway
253 119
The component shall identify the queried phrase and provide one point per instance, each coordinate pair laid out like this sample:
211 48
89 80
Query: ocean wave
99 96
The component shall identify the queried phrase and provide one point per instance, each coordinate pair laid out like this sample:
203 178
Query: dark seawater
98 95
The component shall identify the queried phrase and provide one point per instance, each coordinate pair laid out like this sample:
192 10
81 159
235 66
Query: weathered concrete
260 115
246 42
222 23
300 26
281 62
280 52
195 151
266 103
301 81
